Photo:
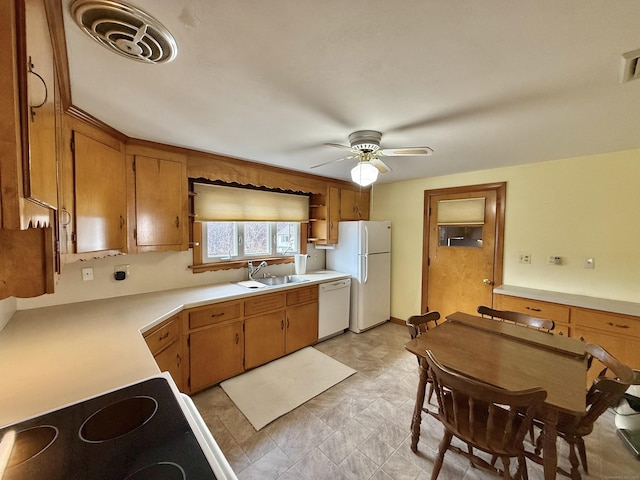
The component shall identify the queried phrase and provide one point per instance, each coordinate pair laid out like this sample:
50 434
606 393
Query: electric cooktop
136 433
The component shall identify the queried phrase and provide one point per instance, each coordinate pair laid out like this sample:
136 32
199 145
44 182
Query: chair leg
522 468
505 464
442 449
582 451
573 459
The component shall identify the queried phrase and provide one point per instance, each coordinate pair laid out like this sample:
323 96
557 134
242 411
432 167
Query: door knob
486 281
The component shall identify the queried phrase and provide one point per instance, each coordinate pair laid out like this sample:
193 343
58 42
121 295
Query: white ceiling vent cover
126 30
630 68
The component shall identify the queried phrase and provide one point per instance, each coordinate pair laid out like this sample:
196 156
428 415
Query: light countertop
593 303
54 356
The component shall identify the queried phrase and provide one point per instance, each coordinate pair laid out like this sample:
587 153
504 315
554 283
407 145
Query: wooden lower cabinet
164 342
264 338
553 311
302 326
618 334
291 324
215 354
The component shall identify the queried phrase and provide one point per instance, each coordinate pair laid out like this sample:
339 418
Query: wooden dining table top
510 356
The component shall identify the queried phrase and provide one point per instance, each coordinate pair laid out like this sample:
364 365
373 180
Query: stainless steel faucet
253 270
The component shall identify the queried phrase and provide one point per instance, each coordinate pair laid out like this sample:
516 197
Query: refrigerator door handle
366 240
365 268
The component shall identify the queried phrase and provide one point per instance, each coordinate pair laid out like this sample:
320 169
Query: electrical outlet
87 274
122 268
554 260
524 258
590 263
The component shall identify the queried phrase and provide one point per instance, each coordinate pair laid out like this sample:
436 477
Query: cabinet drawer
302 295
216 313
165 335
608 322
535 308
264 303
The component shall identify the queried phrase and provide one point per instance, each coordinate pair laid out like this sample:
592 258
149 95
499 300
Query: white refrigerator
364 252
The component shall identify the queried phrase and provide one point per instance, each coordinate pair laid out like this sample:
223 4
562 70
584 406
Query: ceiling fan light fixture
364 174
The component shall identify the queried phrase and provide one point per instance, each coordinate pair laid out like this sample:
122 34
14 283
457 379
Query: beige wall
575 208
149 272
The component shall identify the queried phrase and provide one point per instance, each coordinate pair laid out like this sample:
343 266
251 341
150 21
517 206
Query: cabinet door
264 338
215 354
334 215
159 200
354 205
302 326
100 195
39 122
170 360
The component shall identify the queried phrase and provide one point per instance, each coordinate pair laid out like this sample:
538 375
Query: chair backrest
605 391
517 317
418 324
491 418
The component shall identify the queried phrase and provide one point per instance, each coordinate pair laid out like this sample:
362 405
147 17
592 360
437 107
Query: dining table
512 357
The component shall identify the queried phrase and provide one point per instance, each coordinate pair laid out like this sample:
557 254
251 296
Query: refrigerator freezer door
375 237
370 301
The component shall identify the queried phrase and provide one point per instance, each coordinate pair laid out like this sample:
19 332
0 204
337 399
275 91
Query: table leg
417 411
550 453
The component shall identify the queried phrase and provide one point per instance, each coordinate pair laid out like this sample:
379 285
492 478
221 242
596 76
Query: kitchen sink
280 280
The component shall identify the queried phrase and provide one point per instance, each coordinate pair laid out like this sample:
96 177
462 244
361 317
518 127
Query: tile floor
359 429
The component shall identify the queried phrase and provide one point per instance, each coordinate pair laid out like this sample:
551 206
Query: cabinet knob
486 281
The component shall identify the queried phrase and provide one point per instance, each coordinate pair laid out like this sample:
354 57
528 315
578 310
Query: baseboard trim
397 320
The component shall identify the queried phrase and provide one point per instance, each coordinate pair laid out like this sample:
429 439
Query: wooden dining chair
484 417
544 324
417 325
605 391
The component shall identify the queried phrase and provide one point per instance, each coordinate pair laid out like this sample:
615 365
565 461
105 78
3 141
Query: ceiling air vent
126 30
630 69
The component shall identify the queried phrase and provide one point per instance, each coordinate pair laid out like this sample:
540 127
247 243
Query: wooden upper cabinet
354 205
324 215
36 74
100 195
158 200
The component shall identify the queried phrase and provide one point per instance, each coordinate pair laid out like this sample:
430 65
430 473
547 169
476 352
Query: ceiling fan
365 146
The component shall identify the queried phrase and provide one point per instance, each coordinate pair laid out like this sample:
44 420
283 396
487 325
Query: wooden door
170 360
264 338
100 188
463 260
159 198
215 354
333 214
302 326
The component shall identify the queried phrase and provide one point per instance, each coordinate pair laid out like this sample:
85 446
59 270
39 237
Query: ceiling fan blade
406 152
337 145
348 157
380 165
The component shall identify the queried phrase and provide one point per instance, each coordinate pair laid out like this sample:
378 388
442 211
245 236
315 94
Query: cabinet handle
121 222
282 324
533 309
237 339
32 108
177 222
179 359
162 337
287 322
611 324
214 315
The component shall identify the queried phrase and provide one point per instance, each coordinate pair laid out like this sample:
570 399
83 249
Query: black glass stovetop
136 433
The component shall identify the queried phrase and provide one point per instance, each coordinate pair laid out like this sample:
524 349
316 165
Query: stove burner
31 442
159 471
118 419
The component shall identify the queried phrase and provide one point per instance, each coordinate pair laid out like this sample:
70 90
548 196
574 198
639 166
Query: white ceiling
485 83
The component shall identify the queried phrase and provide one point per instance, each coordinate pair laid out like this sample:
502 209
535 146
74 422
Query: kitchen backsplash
148 272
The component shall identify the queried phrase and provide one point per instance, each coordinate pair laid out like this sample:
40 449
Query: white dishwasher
333 308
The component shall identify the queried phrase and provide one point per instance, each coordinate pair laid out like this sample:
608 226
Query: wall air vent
126 30
630 67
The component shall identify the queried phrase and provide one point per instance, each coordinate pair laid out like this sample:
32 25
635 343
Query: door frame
501 190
